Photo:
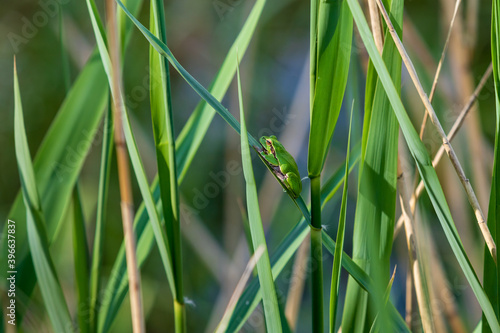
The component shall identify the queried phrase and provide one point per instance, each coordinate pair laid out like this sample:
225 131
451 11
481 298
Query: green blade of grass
374 221
58 161
339 248
50 287
269 298
491 274
81 260
104 171
424 166
334 39
163 130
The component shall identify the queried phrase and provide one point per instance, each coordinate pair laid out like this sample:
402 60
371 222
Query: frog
282 163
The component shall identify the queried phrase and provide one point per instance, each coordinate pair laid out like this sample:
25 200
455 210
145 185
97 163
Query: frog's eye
268 142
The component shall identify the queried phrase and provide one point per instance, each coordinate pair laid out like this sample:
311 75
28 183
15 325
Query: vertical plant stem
316 256
409 298
124 173
376 25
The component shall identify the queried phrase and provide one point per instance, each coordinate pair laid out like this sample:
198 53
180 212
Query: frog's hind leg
294 183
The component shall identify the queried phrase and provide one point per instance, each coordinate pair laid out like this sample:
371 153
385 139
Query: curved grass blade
58 163
424 166
269 298
81 260
163 130
50 287
339 248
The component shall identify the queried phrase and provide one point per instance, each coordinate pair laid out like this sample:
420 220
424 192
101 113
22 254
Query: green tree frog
282 163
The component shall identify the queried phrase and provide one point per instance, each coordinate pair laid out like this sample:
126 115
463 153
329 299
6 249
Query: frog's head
267 141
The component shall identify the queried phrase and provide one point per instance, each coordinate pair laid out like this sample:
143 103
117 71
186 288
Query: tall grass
362 285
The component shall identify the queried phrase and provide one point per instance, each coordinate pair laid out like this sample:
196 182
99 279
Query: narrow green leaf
424 165
334 39
163 130
81 260
98 249
339 248
374 221
269 298
50 287
491 276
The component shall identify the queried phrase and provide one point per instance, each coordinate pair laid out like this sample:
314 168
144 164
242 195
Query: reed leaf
491 279
46 275
339 248
376 205
269 298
